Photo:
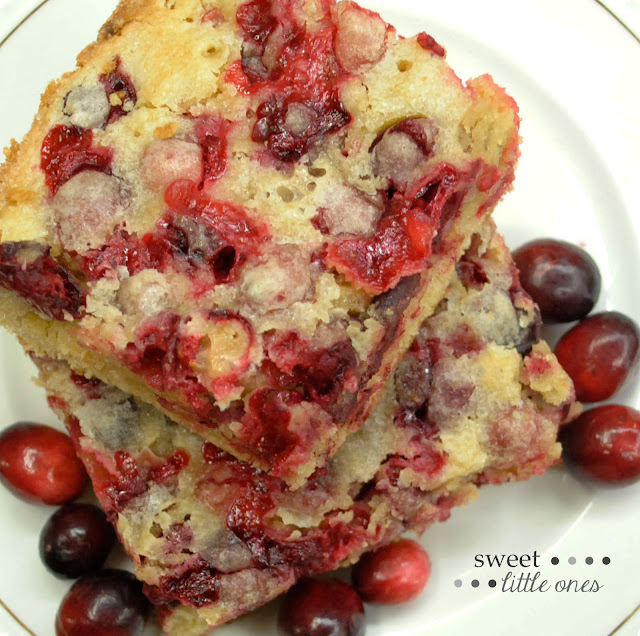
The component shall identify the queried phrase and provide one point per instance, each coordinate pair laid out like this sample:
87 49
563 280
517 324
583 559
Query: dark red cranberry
395 573
562 278
76 540
327 115
321 608
28 269
211 133
119 83
39 463
256 20
197 586
68 150
107 603
599 353
604 443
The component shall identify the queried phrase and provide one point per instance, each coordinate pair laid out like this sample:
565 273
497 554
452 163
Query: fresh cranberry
604 443
107 603
321 608
76 540
27 268
599 353
395 573
562 278
39 463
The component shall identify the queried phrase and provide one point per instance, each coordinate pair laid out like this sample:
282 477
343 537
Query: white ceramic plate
573 70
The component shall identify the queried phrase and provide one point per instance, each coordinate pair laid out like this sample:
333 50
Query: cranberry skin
38 463
604 443
598 354
395 573
321 608
562 278
107 603
76 540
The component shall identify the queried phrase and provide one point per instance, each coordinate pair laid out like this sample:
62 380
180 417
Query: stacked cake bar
241 214
472 402
249 246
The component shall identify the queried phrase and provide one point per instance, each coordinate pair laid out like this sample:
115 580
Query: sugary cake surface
477 399
241 212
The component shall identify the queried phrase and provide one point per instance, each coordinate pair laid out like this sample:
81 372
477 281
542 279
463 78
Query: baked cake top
230 199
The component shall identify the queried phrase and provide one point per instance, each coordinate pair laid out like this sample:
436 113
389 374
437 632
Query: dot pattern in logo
554 561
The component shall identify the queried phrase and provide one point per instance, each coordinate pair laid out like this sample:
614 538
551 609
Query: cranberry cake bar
476 400
241 212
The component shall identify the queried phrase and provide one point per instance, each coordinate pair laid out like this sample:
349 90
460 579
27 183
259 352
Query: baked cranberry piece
395 573
599 353
27 268
76 540
197 586
429 44
39 463
120 91
321 608
256 20
288 127
68 150
107 603
211 133
604 443
410 230
562 278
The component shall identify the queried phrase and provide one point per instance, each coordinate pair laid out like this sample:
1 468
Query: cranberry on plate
562 278
39 463
604 443
107 603
395 573
321 608
598 354
76 540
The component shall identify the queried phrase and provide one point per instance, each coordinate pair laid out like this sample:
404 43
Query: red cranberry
27 268
39 463
119 83
76 540
107 603
395 573
599 353
604 443
321 608
68 150
562 278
